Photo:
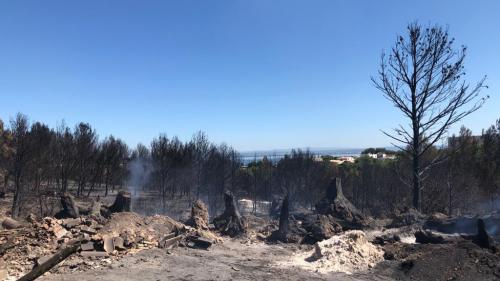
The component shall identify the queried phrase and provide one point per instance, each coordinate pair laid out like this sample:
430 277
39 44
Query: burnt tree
423 78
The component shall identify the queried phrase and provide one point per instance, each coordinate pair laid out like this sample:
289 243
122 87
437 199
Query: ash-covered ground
128 246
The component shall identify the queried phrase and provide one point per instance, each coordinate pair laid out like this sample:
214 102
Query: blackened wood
50 263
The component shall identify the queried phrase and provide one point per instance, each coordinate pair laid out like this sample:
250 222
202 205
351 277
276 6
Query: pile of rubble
31 245
37 245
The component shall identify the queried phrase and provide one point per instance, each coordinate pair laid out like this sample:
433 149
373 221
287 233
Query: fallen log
465 225
427 237
9 223
50 263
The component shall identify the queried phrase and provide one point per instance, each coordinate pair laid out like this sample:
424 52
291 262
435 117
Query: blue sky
255 74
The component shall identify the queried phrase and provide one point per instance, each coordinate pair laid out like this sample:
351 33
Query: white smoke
139 174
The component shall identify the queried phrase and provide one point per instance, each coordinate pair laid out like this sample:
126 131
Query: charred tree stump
482 238
230 222
50 263
284 223
122 202
199 216
338 206
70 208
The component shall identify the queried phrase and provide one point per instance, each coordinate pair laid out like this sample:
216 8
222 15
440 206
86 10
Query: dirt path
231 260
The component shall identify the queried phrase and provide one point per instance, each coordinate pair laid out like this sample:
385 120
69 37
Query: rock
59 231
199 216
94 254
339 207
89 246
168 241
118 243
200 242
427 237
108 244
71 223
88 230
320 227
409 216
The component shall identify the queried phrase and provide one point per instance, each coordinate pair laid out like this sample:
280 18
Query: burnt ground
235 260
456 261
231 260
247 259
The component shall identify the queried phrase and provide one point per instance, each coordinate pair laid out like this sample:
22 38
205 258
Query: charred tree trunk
483 239
284 219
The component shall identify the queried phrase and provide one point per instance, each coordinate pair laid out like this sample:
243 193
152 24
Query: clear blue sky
256 74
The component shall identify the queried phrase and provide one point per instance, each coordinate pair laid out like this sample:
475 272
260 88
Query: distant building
318 158
342 159
380 155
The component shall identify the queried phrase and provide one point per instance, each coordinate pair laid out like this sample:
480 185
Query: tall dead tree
20 159
423 78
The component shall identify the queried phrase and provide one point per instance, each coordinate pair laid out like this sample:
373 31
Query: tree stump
122 202
284 223
70 208
230 222
199 216
338 206
482 238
